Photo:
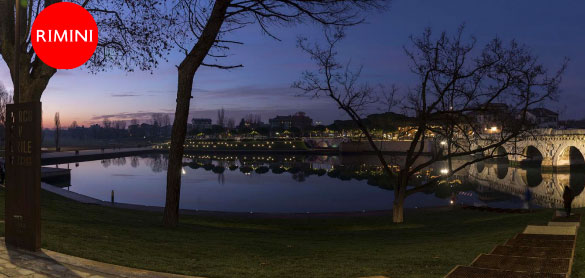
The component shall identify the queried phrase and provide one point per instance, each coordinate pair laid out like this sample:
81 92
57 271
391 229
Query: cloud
126 95
125 116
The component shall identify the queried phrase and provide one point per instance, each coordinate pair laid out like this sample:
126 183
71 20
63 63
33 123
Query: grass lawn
428 245
579 260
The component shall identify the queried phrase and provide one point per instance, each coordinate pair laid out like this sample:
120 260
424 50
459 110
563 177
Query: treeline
158 127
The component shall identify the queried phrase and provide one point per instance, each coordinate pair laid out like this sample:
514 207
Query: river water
311 184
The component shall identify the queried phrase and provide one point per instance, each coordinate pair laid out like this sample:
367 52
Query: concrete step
564 224
541 243
550 230
572 218
476 272
514 263
535 252
544 237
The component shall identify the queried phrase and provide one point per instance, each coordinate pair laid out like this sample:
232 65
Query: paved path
538 252
45 263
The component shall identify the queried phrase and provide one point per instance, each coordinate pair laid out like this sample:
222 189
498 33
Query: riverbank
233 246
48 158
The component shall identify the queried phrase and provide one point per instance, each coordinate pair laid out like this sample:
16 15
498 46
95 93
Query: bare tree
120 124
131 36
134 122
231 123
200 29
106 123
73 132
57 131
455 87
220 117
166 120
156 119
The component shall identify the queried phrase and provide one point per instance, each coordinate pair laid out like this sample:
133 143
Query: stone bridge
324 142
546 189
553 148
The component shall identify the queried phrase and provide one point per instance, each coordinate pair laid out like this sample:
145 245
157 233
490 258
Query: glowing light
183 171
444 171
443 143
494 128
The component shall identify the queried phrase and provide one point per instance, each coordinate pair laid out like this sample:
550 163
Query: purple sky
553 29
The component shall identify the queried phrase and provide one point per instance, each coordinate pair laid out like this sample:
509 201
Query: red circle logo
64 35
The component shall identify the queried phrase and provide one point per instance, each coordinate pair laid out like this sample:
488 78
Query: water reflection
529 184
280 183
134 161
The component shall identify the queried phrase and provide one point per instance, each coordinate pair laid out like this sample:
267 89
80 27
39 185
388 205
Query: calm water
309 184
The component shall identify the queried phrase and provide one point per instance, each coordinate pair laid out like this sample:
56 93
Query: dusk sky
553 29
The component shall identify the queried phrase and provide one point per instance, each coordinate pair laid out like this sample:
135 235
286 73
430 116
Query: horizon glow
270 66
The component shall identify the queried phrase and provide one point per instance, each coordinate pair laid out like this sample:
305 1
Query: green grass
428 245
579 260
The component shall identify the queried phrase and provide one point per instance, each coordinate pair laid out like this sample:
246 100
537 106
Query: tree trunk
57 134
178 134
398 211
399 197
187 70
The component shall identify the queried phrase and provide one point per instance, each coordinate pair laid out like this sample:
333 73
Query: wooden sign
23 175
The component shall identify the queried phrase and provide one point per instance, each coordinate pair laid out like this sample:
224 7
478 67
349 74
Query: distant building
201 124
543 118
491 117
298 120
283 122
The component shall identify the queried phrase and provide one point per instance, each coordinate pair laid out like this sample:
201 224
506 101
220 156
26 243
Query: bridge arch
501 153
532 155
323 144
479 166
502 170
574 179
532 176
570 156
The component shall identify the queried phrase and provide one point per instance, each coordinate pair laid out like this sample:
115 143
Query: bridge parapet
550 147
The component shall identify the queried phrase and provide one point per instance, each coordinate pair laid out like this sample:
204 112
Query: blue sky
553 29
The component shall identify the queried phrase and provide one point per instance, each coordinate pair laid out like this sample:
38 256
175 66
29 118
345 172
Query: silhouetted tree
130 37
57 131
220 117
106 123
120 124
200 29
231 124
456 83
166 120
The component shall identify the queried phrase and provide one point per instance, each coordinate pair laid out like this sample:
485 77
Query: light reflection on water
310 184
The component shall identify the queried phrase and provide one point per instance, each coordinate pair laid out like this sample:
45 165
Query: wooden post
17 52
23 175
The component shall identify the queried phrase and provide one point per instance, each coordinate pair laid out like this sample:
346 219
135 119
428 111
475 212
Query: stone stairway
537 252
